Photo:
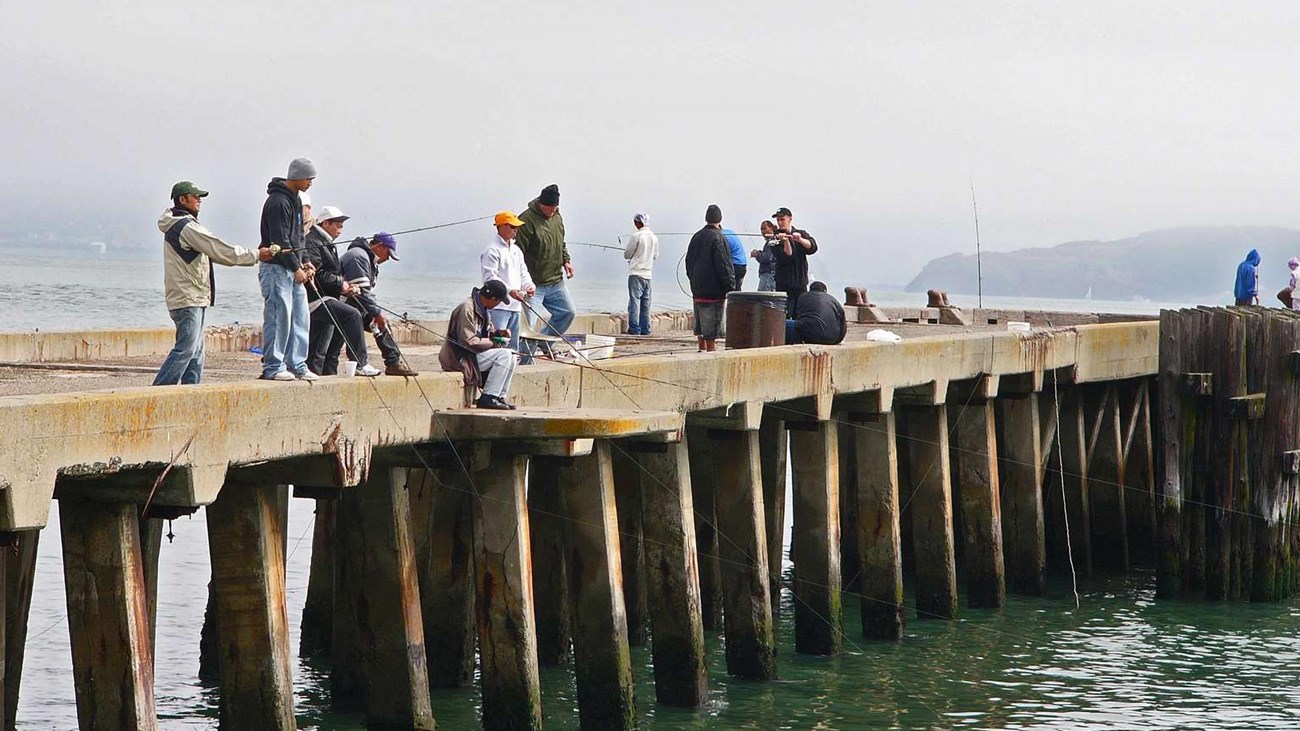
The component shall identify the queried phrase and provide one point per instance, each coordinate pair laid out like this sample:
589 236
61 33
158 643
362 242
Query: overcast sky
1091 120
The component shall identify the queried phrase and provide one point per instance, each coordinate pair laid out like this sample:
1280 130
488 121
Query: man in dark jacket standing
818 319
541 239
285 321
792 258
333 321
708 266
360 264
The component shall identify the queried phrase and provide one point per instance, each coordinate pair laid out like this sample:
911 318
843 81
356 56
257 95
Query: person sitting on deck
470 349
818 319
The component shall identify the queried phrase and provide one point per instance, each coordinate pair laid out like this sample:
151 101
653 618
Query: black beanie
713 215
550 195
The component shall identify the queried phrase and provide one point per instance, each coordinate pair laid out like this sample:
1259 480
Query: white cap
641 218
330 213
306 199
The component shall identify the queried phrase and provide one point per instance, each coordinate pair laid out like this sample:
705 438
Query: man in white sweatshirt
503 261
641 251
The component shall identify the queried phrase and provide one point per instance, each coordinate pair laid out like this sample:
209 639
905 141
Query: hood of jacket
170 216
278 186
1253 257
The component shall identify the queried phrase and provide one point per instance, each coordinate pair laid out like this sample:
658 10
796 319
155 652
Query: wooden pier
636 500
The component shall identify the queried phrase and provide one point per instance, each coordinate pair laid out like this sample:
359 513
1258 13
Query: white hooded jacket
187 266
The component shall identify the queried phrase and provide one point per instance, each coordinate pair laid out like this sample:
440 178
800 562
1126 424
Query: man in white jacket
641 251
503 261
189 252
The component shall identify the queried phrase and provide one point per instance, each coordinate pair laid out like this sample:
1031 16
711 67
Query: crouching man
470 350
818 319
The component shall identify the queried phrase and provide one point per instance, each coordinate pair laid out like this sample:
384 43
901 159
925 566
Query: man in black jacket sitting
333 321
818 319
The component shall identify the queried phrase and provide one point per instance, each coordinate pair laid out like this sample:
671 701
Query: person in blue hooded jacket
1247 288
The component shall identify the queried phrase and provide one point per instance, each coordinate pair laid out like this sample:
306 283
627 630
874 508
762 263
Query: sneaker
368 371
398 370
493 402
283 376
308 376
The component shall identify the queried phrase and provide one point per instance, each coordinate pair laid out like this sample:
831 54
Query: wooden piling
20 575
1106 485
379 603
627 491
875 443
1274 504
673 577
108 615
848 491
550 574
773 448
442 526
742 549
507 634
1139 474
1069 523
601 655
975 474
1177 430
704 483
1020 480
317 629
151 531
818 611
248 589
924 430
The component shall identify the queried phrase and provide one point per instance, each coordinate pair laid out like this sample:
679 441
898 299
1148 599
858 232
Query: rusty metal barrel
755 319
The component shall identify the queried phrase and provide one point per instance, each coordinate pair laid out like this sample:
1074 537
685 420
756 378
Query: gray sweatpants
498 368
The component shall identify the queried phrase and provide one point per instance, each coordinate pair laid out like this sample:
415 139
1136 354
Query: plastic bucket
347 368
755 319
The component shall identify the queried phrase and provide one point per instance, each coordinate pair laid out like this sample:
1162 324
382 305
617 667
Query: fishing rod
594 246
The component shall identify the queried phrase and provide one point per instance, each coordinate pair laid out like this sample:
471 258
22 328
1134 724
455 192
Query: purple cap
387 239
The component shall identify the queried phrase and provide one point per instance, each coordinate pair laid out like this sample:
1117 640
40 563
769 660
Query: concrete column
318 611
512 696
627 491
875 444
20 573
929 491
379 604
248 587
673 577
1020 455
850 571
1106 490
704 483
602 658
773 446
209 649
108 616
151 530
550 574
444 537
975 458
818 614
742 549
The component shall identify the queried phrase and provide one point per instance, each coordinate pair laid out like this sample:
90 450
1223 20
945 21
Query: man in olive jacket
541 239
189 288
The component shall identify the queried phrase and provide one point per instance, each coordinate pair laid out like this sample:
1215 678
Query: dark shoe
492 402
398 370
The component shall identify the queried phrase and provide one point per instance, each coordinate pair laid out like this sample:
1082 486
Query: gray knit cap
301 169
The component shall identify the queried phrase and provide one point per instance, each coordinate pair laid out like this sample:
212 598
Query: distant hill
1171 265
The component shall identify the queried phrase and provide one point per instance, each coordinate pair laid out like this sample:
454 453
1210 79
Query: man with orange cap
503 261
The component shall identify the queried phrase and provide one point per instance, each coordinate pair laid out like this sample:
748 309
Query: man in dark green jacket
541 239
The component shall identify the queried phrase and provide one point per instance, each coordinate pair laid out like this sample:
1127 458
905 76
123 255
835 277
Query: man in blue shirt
739 262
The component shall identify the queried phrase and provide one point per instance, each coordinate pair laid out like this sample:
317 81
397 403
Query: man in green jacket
541 239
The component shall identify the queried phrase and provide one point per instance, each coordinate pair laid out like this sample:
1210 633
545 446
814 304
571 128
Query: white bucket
348 368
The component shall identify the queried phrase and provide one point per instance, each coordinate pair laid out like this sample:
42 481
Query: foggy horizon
869 121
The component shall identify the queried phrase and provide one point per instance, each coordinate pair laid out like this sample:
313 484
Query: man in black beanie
541 239
708 266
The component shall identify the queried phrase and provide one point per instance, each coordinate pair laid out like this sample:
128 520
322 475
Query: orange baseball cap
507 217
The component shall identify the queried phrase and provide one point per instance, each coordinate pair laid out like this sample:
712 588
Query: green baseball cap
185 187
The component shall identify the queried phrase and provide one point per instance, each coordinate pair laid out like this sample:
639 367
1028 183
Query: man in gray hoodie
189 287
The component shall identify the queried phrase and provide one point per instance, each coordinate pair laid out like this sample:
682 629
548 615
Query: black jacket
708 265
321 252
819 318
792 270
282 223
361 270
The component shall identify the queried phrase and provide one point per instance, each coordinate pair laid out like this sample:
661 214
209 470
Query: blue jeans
766 282
792 332
286 322
555 298
507 320
638 305
185 363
